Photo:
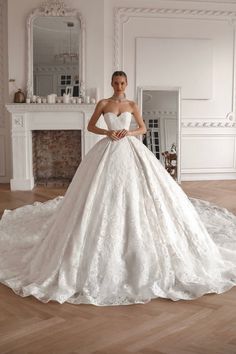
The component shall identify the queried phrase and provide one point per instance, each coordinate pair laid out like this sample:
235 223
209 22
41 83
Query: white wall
208 100
208 137
5 150
93 14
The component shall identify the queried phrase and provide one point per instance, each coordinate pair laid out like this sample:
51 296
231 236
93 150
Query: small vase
19 96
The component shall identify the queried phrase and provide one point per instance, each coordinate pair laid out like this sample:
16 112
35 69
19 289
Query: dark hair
118 73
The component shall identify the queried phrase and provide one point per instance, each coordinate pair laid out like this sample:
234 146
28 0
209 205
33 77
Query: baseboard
207 176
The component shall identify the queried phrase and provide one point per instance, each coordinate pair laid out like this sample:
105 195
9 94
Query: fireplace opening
56 156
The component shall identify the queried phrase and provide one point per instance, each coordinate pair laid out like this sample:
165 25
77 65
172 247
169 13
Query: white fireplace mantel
28 117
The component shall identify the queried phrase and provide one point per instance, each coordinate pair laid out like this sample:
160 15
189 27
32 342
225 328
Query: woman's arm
139 120
93 120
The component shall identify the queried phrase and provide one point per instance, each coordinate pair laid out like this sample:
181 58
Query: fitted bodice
115 122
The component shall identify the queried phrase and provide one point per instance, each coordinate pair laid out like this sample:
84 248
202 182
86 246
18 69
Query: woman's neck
119 98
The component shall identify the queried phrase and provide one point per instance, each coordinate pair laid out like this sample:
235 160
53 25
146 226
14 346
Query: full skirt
124 233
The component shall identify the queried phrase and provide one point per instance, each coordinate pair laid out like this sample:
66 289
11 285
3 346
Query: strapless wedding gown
124 233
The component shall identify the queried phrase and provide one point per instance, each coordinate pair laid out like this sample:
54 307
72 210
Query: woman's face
119 85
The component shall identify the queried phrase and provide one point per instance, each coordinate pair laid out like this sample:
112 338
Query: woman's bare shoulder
101 105
133 104
102 102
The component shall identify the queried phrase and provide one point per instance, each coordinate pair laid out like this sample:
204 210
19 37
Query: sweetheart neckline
116 114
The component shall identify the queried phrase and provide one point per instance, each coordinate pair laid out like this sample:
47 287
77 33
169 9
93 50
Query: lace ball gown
124 233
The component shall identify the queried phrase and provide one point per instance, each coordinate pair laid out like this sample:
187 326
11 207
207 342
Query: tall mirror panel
161 113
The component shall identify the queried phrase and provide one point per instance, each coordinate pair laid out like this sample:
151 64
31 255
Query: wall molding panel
208 124
2 156
5 151
2 88
211 161
122 16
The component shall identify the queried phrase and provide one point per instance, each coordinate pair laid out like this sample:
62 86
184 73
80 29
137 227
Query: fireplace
32 125
56 156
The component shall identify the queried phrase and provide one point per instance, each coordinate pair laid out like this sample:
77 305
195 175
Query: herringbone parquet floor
203 326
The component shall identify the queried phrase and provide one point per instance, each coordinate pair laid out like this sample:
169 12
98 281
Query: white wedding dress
124 233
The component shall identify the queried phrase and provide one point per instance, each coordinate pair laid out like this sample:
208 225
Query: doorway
160 108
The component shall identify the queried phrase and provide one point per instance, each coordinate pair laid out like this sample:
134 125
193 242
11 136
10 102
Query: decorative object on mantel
34 99
87 99
52 98
19 97
66 98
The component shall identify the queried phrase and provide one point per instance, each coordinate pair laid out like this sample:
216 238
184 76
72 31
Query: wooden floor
203 326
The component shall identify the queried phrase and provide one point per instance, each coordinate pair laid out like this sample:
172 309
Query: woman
124 233
117 105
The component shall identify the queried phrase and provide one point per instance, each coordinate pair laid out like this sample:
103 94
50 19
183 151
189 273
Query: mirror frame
54 8
140 90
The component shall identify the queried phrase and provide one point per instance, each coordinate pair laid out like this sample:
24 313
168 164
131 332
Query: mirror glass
160 110
56 55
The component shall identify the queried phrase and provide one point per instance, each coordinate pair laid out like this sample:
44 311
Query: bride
124 233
